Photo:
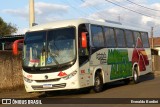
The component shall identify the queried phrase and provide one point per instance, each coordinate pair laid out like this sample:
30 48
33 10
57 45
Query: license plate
47 85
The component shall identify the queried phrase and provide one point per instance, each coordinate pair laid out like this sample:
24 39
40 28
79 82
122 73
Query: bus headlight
27 80
70 75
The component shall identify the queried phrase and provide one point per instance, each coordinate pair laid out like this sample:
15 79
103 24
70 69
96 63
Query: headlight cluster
27 80
70 75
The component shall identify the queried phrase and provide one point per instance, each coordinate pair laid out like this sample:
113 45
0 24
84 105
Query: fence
156 63
10 71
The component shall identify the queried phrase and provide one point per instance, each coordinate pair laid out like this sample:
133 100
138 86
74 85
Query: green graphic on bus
121 67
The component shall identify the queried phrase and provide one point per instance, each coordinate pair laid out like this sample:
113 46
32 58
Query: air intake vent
50 80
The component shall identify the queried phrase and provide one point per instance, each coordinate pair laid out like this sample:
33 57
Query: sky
146 14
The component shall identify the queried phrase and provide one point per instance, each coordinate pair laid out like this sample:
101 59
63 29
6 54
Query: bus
80 53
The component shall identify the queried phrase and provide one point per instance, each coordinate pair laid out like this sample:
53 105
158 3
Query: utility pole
152 39
31 13
152 46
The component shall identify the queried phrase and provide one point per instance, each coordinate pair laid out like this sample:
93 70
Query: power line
90 11
104 17
131 10
101 16
74 8
142 6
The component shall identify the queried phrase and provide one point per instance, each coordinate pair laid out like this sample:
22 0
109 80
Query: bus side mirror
15 46
84 39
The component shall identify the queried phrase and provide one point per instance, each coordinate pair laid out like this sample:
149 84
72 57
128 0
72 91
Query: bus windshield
49 48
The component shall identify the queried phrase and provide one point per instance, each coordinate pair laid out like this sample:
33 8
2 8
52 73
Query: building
156 44
7 41
155 53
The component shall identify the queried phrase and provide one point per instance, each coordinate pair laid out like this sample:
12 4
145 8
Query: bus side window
145 40
129 39
110 38
138 40
97 36
120 38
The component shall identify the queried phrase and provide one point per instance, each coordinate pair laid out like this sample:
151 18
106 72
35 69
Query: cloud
43 11
21 31
42 8
18 12
89 3
129 18
46 12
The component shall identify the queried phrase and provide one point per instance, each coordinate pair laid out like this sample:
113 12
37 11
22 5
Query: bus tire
98 83
135 76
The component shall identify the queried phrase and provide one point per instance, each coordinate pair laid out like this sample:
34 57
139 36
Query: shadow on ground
147 77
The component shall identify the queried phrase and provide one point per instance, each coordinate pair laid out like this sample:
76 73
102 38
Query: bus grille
50 80
55 86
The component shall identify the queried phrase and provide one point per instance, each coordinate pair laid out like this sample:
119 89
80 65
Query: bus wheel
135 76
98 83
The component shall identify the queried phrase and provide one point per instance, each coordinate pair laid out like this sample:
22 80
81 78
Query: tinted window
97 35
120 38
35 37
138 41
145 40
129 38
110 38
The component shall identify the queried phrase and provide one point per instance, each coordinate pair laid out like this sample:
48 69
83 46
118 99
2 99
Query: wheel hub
135 75
97 82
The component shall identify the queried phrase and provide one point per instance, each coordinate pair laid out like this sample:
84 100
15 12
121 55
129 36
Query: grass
10 71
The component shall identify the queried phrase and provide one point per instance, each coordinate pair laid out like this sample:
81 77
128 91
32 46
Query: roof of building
11 36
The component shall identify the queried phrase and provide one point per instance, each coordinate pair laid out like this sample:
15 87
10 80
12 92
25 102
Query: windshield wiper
56 53
54 59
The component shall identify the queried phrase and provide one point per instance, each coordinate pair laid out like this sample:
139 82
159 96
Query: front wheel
98 83
135 76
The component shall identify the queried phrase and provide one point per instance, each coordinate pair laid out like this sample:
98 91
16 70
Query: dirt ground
20 93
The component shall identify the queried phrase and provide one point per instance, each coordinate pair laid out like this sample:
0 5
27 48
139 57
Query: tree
6 28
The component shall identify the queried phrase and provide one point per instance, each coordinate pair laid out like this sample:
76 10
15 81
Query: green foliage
6 28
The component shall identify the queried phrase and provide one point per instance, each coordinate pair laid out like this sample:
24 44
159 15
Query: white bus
74 54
